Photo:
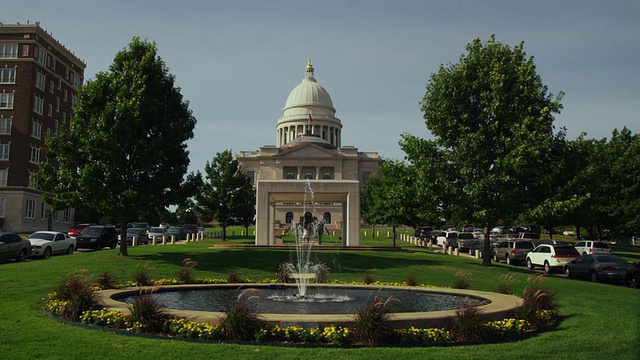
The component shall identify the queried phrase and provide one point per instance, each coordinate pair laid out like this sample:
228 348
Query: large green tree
125 151
226 195
492 121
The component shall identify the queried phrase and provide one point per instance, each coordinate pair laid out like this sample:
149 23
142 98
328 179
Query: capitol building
308 154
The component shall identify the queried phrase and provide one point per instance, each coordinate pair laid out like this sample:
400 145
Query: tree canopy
226 195
124 153
493 149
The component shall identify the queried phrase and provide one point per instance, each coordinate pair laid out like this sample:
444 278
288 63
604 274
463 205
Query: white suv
585 247
448 239
551 256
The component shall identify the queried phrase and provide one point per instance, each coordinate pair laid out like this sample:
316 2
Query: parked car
76 229
632 277
551 256
424 230
585 247
139 233
46 243
433 237
468 228
12 246
177 232
97 236
512 251
557 242
189 229
158 232
466 241
597 267
448 238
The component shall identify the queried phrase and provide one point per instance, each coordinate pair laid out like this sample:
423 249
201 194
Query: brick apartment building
39 79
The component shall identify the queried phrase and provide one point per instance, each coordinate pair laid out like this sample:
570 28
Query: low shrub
461 281
147 313
233 277
468 323
72 297
322 271
285 270
538 304
141 278
106 280
185 273
412 280
369 277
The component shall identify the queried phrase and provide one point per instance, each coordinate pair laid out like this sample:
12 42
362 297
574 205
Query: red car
76 229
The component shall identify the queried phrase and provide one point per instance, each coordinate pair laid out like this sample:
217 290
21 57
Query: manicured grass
598 319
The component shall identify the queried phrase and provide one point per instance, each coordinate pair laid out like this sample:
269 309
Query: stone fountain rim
499 306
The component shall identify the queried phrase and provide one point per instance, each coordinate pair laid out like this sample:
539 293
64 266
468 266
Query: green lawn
597 319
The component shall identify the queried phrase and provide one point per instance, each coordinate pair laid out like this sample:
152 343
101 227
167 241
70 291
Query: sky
237 61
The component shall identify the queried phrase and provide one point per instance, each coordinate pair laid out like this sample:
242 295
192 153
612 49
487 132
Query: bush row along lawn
597 319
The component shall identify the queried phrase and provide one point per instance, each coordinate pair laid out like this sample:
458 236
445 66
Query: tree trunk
224 232
373 231
394 235
123 236
486 247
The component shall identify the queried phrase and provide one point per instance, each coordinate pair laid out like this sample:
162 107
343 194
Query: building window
30 209
4 151
252 176
64 95
8 76
32 179
308 175
365 177
43 212
74 99
326 217
290 175
52 62
36 129
59 82
8 51
57 104
326 175
38 105
64 117
52 86
35 155
40 80
50 109
66 73
6 101
288 218
4 177
66 215
25 50
42 56
56 126
5 126
3 201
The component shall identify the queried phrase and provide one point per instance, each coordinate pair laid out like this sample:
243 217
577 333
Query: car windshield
134 231
43 236
524 245
611 259
156 230
465 236
92 231
174 229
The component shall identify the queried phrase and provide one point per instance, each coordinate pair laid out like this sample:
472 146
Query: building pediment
307 151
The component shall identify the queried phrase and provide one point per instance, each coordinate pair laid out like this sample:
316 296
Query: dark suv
512 251
97 236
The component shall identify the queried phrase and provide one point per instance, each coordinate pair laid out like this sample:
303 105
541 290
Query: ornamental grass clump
372 321
468 323
106 280
322 271
147 312
185 273
504 286
412 280
233 277
461 281
241 321
285 270
369 278
539 306
72 297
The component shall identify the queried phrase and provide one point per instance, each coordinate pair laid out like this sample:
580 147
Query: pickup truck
466 241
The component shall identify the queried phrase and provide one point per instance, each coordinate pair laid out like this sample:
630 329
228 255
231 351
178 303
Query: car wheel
22 256
547 267
47 253
529 264
70 250
99 246
594 276
632 282
508 260
495 257
567 273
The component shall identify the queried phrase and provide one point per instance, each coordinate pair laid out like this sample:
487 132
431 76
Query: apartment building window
4 151
327 175
52 86
43 213
4 177
290 175
66 73
38 105
50 109
8 51
6 101
365 177
35 156
76 80
36 129
64 96
40 78
3 202
52 62
5 126
66 215
8 76
25 50
59 82
56 126
64 117
308 175
57 104
42 56
74 99
30 209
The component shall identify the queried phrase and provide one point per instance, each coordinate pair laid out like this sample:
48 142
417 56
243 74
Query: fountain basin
496 306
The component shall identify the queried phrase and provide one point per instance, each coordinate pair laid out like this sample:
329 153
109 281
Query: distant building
39 78
309 150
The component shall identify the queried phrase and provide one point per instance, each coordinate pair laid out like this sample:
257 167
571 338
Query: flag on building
310 118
